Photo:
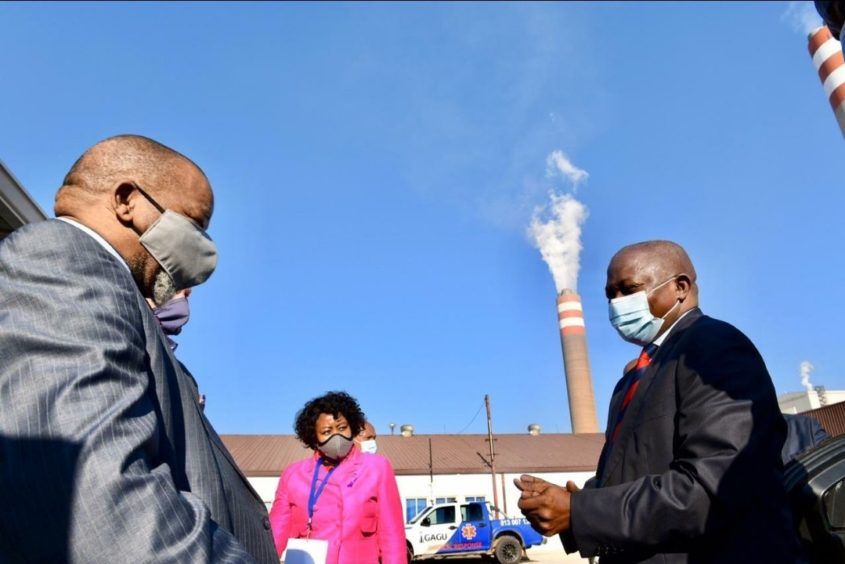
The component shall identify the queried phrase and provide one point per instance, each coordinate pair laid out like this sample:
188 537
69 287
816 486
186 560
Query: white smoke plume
802 16
806 368
558 164
559 238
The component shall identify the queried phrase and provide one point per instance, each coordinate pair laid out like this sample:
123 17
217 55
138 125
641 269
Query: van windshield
419 515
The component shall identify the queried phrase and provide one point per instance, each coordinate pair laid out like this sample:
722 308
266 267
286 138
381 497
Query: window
440 500
834 504
472 512
478 498
443 515
413 505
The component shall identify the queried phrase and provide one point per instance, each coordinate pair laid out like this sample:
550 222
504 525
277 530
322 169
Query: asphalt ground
541 555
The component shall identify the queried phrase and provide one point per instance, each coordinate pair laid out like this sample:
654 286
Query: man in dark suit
691 469
105 455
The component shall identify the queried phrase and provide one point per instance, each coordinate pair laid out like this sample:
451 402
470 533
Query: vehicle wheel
410 554
508 550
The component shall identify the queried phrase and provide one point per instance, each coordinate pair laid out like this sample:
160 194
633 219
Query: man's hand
545 505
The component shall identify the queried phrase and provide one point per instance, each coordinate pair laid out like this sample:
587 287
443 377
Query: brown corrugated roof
832 418
268 455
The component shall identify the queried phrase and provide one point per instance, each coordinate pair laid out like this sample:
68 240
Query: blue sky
376 166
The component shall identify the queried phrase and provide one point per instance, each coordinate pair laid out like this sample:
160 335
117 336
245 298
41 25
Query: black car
815 483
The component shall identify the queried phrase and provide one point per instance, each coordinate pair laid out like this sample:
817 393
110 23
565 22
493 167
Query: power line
480 407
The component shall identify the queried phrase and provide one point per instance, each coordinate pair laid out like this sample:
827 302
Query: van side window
834 505
443 515
472 512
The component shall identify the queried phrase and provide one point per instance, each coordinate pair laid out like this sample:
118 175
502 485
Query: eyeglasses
161 208
144 193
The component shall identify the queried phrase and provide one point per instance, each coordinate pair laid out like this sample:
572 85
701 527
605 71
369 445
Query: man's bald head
662 259
368 432
148 162
661 269
119 187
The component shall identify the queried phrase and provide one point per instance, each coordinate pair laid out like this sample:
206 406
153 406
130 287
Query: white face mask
632 318
369 446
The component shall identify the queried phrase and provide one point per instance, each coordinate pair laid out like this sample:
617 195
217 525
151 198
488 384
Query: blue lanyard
315 490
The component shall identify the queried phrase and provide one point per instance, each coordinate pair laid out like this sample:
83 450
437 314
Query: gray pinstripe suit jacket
105 455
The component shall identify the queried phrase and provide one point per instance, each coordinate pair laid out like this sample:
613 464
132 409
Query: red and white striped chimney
827 58
576 362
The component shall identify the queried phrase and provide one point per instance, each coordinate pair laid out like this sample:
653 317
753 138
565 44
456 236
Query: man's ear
683 285
123 202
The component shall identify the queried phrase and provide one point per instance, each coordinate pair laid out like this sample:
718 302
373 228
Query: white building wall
460 486
799 402
265 487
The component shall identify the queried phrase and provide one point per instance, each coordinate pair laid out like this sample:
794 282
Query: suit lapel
221 448
640 399
157 346
210 433
615 403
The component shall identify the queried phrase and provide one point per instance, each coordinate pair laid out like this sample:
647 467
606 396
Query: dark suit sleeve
728 434
80 438
567 539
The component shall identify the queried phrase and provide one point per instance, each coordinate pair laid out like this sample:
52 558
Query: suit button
266 523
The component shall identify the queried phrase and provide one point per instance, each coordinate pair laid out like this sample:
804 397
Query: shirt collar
659 341
103 243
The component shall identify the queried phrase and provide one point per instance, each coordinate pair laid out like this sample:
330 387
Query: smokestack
579 385
827 58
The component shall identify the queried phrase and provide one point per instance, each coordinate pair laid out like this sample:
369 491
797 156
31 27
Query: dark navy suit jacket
694 474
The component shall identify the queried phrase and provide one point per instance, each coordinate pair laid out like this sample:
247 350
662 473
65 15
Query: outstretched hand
545 505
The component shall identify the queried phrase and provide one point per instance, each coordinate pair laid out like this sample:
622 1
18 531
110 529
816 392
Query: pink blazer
359 511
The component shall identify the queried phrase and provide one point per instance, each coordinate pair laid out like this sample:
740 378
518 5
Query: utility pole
492 454
430 471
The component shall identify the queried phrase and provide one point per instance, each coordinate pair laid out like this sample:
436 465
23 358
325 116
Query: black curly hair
333 403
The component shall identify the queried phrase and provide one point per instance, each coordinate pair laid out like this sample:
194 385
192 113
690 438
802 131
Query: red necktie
633 376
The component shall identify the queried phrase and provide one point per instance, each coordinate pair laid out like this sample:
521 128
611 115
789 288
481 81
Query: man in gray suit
105 455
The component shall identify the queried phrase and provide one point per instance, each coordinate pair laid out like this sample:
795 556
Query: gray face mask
335 447
185 252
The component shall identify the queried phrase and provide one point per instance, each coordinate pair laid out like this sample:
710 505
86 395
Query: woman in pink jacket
339 494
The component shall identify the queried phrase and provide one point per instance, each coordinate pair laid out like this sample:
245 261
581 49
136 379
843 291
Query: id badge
305 551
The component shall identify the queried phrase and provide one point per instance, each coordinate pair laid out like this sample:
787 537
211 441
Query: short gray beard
163 288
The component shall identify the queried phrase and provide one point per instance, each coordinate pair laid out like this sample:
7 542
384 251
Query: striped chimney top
570 314
828 60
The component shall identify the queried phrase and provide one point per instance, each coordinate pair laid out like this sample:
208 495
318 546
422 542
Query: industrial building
433 468
800 402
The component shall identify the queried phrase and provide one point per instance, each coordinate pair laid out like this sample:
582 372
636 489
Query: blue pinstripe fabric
105 455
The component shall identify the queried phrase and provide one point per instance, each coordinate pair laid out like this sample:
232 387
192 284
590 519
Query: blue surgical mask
369 446
632 318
